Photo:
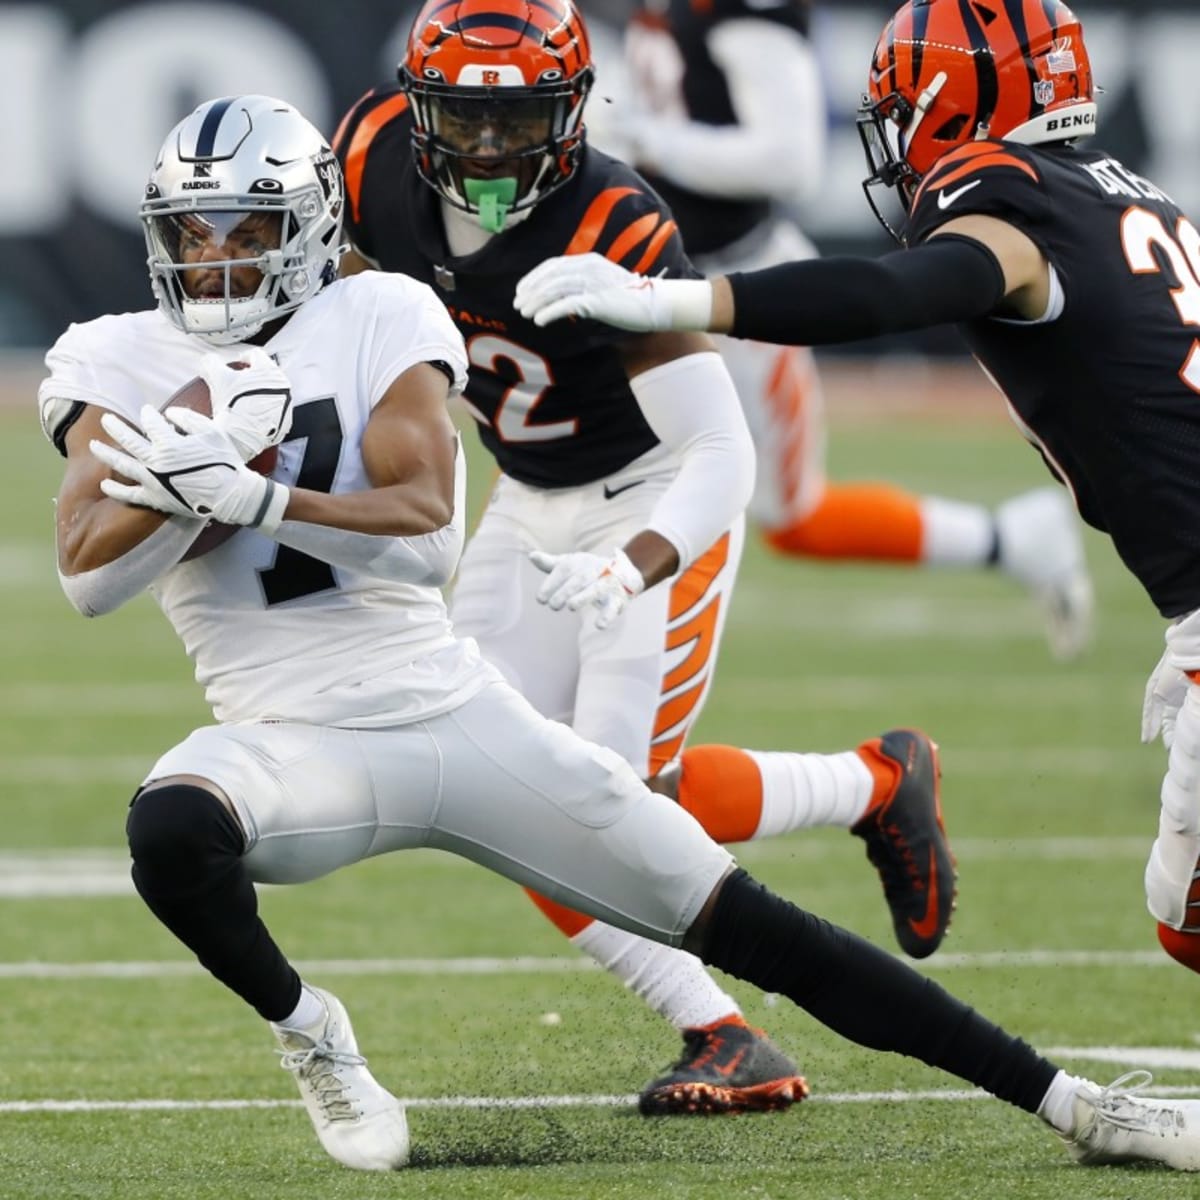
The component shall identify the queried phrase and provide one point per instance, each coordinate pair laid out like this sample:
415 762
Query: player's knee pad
1172 890
180 836
1183 947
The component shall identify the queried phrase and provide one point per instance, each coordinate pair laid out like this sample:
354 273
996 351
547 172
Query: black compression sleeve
823 300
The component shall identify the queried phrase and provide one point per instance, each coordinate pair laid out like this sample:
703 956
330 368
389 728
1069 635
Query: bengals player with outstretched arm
625 467
700 118
1076 284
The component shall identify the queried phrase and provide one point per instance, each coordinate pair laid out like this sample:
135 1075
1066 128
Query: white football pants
636 687
1172 868
491 780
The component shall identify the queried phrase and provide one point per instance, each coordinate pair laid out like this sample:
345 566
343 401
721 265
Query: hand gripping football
195 395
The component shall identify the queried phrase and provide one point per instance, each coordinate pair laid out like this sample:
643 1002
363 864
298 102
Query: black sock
187 867
865 994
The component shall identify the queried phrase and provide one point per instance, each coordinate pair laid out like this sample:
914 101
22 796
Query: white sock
308 1012
672 982
1057 1106
955 534
800 791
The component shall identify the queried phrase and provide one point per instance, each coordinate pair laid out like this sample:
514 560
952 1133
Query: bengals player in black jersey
625 466
701 118
1076 284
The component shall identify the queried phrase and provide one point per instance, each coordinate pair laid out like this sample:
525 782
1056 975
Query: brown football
194 395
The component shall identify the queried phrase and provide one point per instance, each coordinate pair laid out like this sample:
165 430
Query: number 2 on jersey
1142 232
513 419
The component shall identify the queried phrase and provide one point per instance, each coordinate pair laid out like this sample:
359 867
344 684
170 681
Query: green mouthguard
493 198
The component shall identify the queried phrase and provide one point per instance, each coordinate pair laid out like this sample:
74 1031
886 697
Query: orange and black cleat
906 841
725 1068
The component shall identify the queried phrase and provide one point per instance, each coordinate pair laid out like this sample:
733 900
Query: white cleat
359 1123
1113 1125
1041 548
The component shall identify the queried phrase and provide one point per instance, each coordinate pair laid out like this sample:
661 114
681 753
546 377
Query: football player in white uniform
724 113
350 720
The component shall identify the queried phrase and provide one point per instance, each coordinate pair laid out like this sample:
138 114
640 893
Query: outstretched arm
972 267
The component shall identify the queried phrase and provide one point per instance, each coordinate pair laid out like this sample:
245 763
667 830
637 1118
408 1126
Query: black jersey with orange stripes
1109 389
709 223
554 405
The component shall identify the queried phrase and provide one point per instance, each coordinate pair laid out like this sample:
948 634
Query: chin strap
492 198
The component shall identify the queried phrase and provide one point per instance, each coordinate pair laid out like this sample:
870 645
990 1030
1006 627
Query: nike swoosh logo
945 199
728 1068
927 926
609 493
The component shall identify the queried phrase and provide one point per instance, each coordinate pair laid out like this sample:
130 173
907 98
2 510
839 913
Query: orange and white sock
738 795
876 522
672 982
872 521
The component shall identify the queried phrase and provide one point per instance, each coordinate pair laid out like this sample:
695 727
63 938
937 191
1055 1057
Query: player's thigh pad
780 390
529 798
643 680
1172 864
495 597
307 795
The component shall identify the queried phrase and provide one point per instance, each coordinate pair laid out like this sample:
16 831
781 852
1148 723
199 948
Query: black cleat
725 1068
906 843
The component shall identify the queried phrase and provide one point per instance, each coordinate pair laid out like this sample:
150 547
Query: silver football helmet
243 217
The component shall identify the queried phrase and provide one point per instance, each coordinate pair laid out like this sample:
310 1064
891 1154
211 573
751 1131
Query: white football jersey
276 634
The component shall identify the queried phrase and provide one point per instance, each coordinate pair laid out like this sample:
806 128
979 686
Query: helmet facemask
495 151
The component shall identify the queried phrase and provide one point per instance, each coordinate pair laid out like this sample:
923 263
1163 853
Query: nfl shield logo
1043 92
443 278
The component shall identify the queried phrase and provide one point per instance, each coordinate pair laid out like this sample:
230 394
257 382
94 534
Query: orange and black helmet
497 88
947 72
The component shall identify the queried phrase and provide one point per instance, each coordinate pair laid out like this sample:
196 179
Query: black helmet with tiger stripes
946 72
497 88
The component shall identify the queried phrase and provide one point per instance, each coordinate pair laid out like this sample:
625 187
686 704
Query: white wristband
687 303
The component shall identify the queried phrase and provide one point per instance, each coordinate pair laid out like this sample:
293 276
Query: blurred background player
626 462
722 110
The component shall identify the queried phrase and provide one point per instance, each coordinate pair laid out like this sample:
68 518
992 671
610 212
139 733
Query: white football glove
252 404
579 578
194 463
588 285
1166 690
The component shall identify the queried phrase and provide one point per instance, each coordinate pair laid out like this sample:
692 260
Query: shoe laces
1119 1104
318 1065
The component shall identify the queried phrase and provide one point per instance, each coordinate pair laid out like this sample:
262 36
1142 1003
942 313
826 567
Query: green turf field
449 973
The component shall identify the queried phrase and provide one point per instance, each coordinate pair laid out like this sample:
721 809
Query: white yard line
528 965
953 1095
45 875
